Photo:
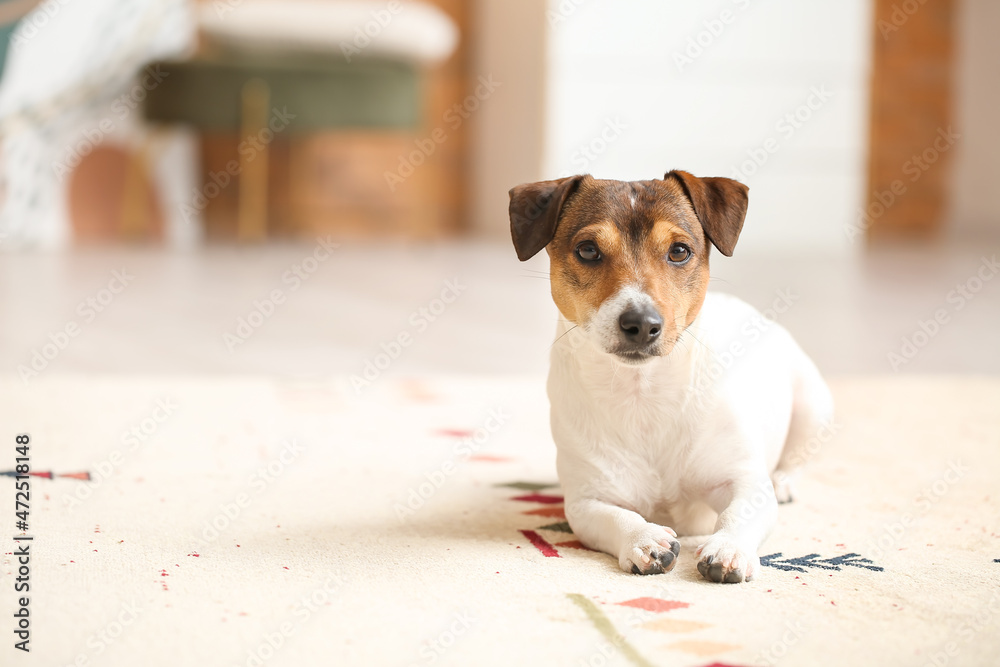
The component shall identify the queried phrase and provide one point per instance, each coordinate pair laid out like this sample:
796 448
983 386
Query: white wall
507 132
974 206
625 80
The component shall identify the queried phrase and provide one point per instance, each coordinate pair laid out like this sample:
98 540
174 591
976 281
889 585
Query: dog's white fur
705 433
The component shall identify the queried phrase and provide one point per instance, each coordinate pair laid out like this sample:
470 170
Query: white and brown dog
671 409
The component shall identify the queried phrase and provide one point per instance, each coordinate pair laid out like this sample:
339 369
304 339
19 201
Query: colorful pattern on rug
85 476
216 563
777 560
799 564
641 622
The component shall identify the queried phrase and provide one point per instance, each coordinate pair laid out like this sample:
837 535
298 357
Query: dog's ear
534 212
720 204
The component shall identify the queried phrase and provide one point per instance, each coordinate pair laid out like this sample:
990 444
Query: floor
451 308
280 523
421 502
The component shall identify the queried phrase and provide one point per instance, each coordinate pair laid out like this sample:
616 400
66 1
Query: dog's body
682 439
657 435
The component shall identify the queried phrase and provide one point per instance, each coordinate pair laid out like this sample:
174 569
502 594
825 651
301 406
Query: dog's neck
676 372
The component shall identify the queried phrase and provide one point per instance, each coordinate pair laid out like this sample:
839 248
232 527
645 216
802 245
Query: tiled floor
175 312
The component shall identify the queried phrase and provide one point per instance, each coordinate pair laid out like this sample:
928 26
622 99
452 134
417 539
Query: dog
674 411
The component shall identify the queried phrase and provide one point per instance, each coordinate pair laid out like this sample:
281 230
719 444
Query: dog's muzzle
639 330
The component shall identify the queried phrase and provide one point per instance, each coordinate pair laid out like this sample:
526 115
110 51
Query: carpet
262 522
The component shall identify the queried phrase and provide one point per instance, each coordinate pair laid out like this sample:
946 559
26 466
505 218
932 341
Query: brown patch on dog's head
618 245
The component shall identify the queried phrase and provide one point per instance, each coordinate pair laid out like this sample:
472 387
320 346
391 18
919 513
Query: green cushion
322 93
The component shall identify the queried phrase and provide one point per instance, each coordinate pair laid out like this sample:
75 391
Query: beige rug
254 522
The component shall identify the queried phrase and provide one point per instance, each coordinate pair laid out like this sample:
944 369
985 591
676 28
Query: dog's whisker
687 330
721 280
561 337
695 338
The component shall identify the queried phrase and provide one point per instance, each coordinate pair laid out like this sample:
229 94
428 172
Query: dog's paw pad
725 562
653 551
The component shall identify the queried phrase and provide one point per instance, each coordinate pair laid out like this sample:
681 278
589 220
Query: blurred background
307 187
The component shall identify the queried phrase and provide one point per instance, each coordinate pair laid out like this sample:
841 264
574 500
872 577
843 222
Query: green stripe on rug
606 628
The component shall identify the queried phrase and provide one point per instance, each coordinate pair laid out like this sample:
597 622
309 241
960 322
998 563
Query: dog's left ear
720 204
534 212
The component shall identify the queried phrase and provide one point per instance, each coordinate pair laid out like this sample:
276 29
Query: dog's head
629 260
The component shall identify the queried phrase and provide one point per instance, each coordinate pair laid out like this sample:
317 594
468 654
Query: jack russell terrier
671 409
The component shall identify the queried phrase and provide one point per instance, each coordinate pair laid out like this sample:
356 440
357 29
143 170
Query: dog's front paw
723 560
652 550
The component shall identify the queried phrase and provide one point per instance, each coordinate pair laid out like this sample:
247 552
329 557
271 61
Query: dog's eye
678 253
588 252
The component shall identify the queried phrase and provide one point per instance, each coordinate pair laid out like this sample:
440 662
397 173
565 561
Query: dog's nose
640 326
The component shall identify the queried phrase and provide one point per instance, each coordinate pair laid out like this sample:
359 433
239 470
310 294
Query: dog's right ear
719 203
534 212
